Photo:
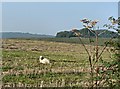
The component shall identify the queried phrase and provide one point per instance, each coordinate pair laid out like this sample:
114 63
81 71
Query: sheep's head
41 57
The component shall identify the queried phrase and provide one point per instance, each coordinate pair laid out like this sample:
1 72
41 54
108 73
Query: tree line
84 33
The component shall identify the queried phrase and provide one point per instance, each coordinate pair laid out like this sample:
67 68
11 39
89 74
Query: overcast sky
52 17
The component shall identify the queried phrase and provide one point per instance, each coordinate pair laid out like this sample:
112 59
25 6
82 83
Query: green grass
43 76
69 63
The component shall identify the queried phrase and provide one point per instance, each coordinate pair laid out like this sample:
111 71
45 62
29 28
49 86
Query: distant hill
22 35
84 33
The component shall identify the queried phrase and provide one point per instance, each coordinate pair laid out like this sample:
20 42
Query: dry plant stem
101 33
90 60
109 54
86 51
91 67
96 35
96 54
90 43
92 32
84 46
102 52
96 45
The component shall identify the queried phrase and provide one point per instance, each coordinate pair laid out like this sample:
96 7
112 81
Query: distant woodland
84 33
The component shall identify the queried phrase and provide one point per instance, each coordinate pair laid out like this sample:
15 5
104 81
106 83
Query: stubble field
68 63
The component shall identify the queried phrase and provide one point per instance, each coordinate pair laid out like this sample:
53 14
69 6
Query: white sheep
44 60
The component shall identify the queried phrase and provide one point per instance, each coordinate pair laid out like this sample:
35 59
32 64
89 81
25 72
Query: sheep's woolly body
44 60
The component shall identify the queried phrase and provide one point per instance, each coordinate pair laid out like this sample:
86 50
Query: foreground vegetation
69 67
